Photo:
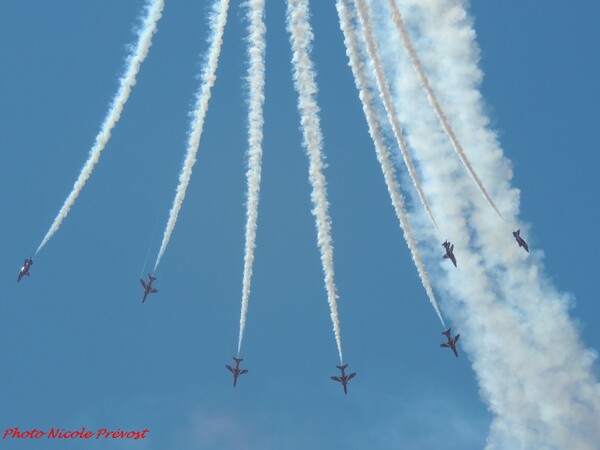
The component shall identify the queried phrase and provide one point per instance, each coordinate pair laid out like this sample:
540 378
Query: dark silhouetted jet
236 371
344 378
449 252
520 240
25 269
147 285
451 341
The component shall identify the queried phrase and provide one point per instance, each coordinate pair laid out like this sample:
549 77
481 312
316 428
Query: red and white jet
451 341
148 289
520 240
449 252
344 378
236 371
25 269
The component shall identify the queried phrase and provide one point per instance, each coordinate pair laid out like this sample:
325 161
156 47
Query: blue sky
79 349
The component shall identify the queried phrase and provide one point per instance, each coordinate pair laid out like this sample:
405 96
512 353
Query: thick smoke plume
134 61
256 91
304 81
218 20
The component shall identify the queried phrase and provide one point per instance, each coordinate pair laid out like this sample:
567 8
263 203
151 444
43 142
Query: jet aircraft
25 269
147 285
236 371
344 378
449 252
451 341
520 240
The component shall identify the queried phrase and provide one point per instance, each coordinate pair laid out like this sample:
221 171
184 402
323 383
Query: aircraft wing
446 256
352 375
456 338
336 379
229 368
243 371
143 284
444 345
153 291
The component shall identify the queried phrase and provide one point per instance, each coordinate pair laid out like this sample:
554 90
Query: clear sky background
79 349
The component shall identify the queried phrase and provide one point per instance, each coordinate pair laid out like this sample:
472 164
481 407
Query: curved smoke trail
218 20
304 81
134 61
386 96
534 373
256 85
399 22
383 154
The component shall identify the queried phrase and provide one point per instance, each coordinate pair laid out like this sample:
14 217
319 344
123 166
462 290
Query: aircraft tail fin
342 367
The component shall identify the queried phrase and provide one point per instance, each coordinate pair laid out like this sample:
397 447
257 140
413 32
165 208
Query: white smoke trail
256 86
399 22
533 370
304 81
218 20
383 154
386 96
134 61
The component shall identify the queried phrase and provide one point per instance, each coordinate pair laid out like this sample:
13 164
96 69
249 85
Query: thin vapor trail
256 87
304 81
383 153
134 61
386 96
534 372
399 22
218 20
